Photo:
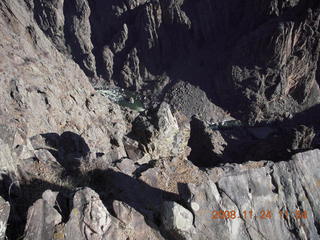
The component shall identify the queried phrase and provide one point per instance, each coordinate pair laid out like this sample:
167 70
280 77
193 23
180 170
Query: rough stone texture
78 30
4 215
275 192
89 219
130 73
162 135
126 166
136 227
133 149
119 41
192 101
176 219
281 78
108 62
7 163
255 58
211 146
258 60
50 18
43 92
285 186
42 218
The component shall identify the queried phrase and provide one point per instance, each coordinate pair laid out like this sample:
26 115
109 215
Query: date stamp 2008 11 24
262 214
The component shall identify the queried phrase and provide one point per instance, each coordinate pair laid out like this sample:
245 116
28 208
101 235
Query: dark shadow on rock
73 148
69 149
71 10
310 117
144 167
201 147
145 199
144 125
25 194
109 184
275 142
184 195
134 192
52 139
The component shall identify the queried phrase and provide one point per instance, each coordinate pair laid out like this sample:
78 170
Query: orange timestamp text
262 214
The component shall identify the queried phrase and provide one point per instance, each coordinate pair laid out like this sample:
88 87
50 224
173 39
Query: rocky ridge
75 165
263 56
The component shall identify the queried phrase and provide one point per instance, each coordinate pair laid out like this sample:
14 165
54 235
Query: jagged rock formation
211 146
89 219
42 218
192 101
280 196
177 220
281 188
162 135
260 59
43 92
75 165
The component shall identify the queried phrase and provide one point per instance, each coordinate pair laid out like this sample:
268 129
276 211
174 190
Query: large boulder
135 223
89 218
177 220
42 218
164 134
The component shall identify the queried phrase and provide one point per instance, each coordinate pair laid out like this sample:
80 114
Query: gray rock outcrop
163 135
42 218
285 189
282 75
48 93
181 165
4 216
78 29
265 56
89 218
177 220
50 18
258 200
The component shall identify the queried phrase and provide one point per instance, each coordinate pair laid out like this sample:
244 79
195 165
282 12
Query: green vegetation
124 98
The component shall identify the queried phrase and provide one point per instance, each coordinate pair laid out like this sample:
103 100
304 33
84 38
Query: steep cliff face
76 165
258 58
48 107
41 90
